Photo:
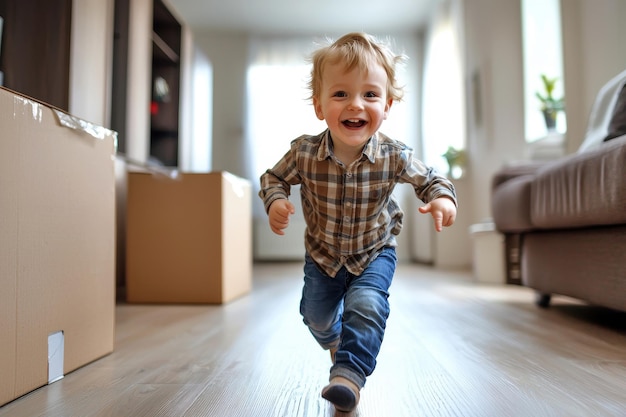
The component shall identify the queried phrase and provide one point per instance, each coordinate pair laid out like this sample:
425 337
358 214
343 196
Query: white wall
594 35
196 148
493 58
91 60
139 80
228 54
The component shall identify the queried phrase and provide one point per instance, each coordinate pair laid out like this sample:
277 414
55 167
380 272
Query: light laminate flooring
453 347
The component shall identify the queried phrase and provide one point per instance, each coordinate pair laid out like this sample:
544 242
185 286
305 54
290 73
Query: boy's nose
356 103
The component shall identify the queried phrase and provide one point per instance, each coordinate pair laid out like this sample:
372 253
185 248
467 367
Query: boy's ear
387 108
318 108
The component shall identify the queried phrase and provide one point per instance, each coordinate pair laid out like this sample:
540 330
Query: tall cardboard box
189 239
57 231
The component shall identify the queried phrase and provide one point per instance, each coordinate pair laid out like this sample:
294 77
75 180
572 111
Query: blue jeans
349 312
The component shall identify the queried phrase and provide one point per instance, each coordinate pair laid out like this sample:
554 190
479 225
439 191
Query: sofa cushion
584 189
510 205
617 126
601 112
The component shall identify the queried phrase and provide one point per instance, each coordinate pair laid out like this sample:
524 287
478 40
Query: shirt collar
369 150
324 150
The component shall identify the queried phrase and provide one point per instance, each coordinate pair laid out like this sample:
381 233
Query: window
444 97
542 51
278 108
279 112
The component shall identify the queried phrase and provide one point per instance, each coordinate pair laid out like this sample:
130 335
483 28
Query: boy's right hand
279 213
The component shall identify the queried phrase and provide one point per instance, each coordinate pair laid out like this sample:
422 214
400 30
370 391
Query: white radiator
271 247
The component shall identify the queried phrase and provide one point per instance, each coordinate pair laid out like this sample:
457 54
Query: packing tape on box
76 123
67 120
56 355
32 106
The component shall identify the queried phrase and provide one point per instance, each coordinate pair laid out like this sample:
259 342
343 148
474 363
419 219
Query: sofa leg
513 248
543 299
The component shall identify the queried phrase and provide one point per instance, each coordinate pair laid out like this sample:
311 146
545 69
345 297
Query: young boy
347 174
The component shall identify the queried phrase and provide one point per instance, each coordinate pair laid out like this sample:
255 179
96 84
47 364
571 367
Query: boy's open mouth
354 123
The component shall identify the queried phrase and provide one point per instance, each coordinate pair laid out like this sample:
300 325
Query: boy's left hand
443 211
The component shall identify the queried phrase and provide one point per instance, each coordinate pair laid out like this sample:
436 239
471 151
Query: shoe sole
341 396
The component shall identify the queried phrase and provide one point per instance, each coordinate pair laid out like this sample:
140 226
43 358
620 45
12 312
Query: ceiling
304 16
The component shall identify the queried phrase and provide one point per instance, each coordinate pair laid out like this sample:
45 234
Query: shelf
163 50
166 64
163 132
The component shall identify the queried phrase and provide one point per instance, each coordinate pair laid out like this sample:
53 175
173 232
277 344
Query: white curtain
277 101
443 105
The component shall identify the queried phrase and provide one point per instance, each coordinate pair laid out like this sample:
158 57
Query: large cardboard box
188 239
57 231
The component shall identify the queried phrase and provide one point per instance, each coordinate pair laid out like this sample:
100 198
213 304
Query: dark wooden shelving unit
120 72
166 67
35 50
165 107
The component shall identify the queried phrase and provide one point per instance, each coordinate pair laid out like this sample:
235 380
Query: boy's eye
371 94
340 94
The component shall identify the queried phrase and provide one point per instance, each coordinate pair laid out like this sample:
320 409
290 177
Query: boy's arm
275 189
276 182
426 181
432 188
272 189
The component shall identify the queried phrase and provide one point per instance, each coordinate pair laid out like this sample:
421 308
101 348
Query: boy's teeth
354 123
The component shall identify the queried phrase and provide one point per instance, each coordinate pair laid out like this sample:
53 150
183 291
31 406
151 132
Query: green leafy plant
454 157
550 105
456 161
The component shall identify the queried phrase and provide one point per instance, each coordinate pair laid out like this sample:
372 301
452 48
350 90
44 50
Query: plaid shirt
349 210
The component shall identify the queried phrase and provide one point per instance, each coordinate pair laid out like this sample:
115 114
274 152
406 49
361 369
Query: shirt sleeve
276 182
426 181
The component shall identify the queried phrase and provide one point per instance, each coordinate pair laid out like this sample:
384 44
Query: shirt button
349 174
346 219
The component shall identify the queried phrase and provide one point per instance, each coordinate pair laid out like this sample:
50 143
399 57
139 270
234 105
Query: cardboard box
57 243
189 239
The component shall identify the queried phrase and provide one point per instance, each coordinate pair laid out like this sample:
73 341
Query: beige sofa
565 220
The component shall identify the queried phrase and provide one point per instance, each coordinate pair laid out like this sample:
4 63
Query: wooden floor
452 348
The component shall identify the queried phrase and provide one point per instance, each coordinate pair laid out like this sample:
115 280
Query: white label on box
56 352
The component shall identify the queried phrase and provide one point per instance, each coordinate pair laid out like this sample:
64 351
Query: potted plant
550 106
456 161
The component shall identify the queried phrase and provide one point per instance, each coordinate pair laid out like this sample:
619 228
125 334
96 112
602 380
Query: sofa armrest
510 196
584 189
508 172
510 205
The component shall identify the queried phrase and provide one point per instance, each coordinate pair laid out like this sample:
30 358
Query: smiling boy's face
353 104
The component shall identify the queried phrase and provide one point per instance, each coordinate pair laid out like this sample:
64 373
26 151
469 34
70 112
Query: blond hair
356 49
